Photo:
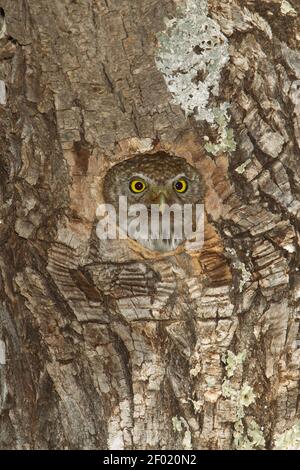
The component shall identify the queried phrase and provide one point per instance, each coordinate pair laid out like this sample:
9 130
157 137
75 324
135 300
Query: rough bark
209 357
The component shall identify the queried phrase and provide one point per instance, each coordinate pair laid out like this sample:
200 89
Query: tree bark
208 358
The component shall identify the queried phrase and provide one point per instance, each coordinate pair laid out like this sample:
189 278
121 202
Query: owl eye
137 186
180 185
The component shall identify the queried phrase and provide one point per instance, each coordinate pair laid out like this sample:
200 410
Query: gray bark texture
207 357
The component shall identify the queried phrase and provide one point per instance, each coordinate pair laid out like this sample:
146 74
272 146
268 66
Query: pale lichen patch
180 425
2 353
247 396
232 361
2 93
292 58
249 436
248 439
241 168
191 55
245 275
116 438
225 140
290 439
287 9
3 29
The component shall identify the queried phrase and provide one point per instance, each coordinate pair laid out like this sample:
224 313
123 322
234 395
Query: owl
151 184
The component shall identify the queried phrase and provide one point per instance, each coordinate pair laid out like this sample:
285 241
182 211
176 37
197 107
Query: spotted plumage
159 179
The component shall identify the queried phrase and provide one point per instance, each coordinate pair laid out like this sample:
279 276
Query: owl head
154 179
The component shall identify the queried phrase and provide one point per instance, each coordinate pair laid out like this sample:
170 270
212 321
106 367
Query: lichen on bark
84 362
191 55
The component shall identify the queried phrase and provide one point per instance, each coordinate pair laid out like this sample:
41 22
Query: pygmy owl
159 180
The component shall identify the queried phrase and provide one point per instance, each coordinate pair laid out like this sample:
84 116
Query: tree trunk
208 359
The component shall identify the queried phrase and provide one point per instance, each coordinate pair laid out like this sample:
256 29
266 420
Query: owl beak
162 203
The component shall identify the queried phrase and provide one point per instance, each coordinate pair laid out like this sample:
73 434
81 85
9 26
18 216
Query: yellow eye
137 186
180 185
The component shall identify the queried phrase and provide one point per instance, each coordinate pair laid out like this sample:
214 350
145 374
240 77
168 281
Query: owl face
159 179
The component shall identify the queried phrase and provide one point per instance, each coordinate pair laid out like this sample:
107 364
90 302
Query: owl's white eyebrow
146 178
180 175
139 175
